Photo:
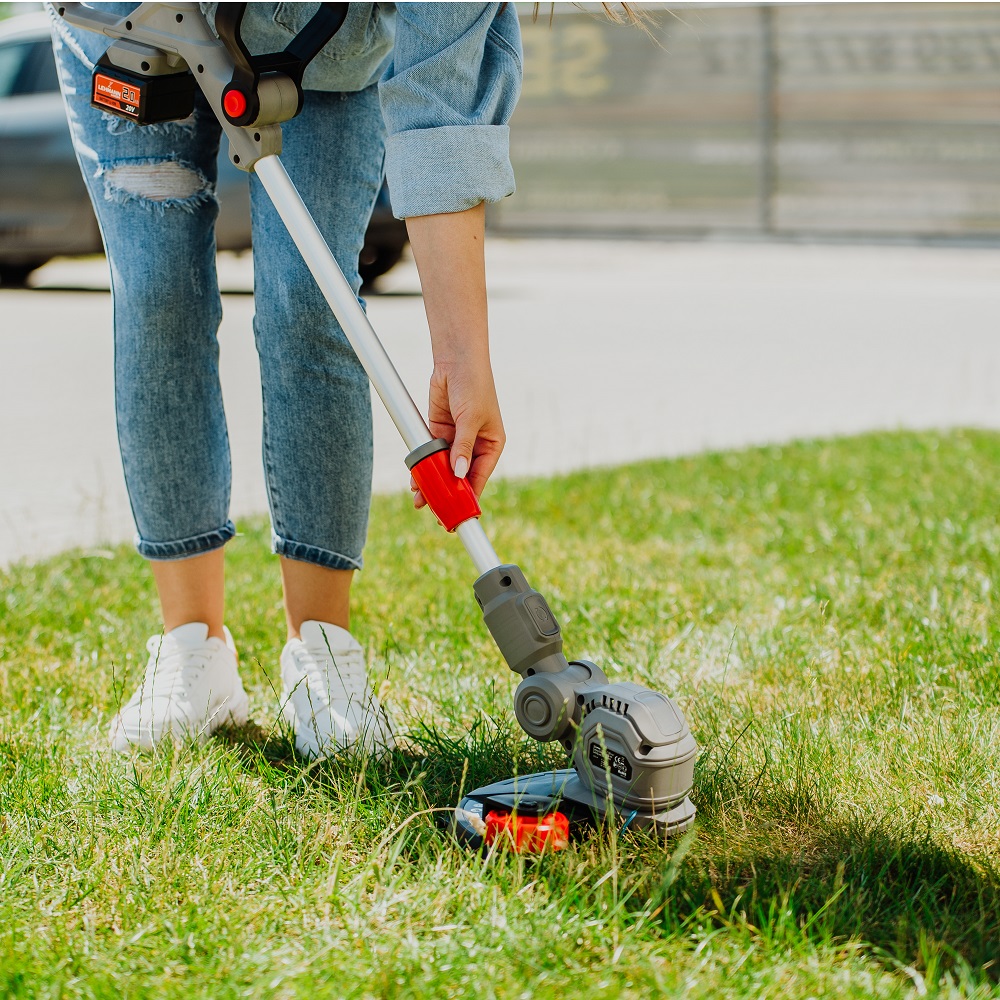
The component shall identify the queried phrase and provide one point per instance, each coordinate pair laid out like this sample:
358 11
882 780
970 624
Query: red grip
452 499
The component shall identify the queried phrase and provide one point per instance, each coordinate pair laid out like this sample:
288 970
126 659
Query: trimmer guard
547 791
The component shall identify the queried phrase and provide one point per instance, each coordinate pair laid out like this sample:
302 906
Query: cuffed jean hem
184 548
312 554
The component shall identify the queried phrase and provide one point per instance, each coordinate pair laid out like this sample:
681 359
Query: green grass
823 612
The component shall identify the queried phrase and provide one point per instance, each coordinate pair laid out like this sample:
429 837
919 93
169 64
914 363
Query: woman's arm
447 98
463 407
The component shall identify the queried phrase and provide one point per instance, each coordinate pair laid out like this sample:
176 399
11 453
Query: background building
827 120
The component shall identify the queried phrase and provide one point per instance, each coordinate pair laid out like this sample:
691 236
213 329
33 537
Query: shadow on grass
775 863
905 896
432 768
414 787
769 863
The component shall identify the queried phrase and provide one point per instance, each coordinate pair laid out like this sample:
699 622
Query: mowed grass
825 614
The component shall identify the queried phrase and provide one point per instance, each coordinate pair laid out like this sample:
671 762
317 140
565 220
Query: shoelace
172 671
348 667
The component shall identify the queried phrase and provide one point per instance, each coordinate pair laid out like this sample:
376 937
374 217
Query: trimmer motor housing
632 752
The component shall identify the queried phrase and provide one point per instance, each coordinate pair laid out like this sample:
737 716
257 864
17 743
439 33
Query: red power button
235 103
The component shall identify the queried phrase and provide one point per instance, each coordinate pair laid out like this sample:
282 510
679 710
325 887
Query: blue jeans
153 189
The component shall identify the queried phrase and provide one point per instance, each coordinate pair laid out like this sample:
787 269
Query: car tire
375 261
16 275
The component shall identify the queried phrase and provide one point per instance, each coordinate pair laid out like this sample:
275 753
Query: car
44 207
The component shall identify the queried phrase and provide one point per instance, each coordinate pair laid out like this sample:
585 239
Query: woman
427 89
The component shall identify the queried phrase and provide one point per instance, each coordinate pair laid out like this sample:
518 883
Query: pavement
604 352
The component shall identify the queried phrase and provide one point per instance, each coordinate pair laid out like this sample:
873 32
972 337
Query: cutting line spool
527 834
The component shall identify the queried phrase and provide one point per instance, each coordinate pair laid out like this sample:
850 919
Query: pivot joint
547 702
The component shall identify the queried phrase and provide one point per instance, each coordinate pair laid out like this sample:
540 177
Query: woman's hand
464 411
463 407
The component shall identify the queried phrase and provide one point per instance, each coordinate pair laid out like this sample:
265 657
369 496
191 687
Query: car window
44 79
12 60
27 68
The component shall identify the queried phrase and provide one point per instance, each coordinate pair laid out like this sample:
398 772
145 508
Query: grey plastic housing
548 706
145 59
526 631
520 621
634 748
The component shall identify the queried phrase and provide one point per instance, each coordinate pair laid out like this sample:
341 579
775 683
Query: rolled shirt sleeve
447 97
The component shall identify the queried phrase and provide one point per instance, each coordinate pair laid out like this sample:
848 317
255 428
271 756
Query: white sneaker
190 688
327 699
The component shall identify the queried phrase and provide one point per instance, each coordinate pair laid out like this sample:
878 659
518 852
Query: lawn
823 612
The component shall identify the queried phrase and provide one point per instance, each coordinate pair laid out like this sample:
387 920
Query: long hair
620 13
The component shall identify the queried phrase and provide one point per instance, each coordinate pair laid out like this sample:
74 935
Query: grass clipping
823 613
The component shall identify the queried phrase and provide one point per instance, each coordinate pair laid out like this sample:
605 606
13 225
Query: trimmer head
517 813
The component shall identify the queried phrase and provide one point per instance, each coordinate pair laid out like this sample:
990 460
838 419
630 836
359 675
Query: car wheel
375 261
16 275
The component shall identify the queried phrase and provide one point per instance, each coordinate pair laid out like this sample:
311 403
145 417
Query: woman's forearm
449 251
462 406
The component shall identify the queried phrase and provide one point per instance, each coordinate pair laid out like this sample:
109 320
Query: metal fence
848 120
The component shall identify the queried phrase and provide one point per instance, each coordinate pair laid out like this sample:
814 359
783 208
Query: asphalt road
604 352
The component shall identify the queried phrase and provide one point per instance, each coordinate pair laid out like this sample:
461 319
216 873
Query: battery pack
145 100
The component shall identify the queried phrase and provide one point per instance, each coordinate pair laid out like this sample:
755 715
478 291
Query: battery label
122 98
614 762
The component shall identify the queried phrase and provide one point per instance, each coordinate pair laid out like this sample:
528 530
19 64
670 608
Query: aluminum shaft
342 300
478 546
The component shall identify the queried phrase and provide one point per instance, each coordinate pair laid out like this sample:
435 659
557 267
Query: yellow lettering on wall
564 60
581 57
539 62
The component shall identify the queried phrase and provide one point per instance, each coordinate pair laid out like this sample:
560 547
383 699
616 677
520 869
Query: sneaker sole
232 711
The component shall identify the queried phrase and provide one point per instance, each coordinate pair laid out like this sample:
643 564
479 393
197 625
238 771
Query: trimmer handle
250 95
244 100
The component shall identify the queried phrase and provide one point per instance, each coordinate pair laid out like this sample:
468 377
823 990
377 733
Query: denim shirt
449 75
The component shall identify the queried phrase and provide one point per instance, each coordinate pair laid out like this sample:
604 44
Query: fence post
766 121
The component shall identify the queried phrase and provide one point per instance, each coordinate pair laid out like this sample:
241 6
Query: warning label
121 97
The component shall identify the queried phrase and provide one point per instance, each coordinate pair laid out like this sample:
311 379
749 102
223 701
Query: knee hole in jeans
161 183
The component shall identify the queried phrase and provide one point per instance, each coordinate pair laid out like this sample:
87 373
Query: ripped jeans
153 189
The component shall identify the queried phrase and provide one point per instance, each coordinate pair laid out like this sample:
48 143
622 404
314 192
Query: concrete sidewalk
604 352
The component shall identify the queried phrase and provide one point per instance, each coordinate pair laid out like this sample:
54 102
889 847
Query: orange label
123 97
